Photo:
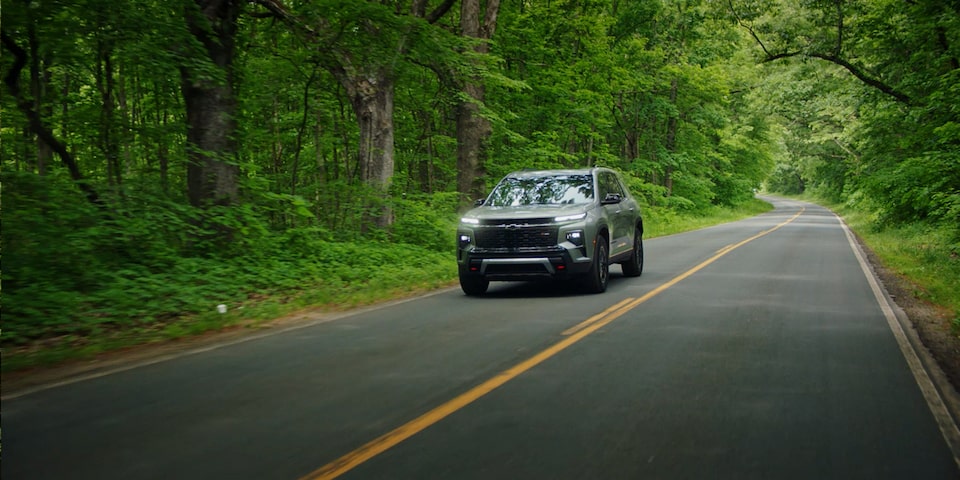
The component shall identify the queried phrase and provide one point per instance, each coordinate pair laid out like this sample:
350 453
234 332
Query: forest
163 157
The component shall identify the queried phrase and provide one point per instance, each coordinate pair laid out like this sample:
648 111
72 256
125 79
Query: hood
526 211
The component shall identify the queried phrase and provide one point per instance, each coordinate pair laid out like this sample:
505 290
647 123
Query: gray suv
566 224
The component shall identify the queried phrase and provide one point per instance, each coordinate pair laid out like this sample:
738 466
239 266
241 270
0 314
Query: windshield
552 190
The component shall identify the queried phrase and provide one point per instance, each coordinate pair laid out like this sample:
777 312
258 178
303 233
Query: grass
409 278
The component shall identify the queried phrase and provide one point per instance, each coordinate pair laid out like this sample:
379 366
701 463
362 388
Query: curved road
756 349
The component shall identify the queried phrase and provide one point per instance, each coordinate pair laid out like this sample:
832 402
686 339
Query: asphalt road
756 349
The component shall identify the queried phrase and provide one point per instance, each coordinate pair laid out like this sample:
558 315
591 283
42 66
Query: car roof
564 171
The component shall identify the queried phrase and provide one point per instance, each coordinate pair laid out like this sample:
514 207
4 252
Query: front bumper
557 262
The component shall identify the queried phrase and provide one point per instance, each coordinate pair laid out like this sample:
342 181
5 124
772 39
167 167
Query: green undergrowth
45 322
659 222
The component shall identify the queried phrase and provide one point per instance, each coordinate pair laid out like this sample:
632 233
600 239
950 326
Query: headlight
464 240
575 237
569 218
470 221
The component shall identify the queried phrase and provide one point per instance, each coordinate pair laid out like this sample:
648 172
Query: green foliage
154 261
919 187
880 132
785 179
645 88
426 220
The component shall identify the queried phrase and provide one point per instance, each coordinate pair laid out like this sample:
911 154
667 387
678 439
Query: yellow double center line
572 335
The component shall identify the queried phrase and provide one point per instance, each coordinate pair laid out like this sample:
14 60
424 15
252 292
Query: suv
566 224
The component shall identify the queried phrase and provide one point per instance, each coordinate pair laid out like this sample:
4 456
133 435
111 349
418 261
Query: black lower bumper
525 266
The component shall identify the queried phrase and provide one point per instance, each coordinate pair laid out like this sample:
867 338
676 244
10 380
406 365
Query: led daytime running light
568 218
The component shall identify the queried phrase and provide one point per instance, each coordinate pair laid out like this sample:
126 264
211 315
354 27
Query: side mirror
611 199
479 202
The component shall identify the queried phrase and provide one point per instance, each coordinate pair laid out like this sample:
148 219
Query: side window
617 185
609 184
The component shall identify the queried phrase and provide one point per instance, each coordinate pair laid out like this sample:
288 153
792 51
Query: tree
828 39
45 136
210 101
896 150
473 130
361 47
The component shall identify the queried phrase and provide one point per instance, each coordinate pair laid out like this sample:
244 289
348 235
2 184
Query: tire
599 274
473 285
634 266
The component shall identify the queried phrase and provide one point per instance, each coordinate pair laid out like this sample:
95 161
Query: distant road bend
762 349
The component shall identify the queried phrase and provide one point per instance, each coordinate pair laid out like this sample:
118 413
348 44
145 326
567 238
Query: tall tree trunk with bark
671 141
371 96
472 133
473 130
211 105
39 80
106 84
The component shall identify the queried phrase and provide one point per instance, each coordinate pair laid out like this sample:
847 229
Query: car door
620 214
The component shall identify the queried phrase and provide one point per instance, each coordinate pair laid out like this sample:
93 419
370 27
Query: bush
427 220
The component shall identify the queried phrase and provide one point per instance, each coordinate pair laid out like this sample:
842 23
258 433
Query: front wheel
634 266
473 285
596 280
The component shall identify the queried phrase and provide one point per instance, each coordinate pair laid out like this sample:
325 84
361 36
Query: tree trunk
163 150
671 142
108 134
301 132
371 96
472 134
373 104
212 177
39 80
473 130
624 111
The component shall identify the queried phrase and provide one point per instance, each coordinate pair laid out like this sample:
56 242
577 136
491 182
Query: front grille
526 222
514 236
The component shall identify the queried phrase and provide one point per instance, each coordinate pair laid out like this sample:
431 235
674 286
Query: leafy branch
835 57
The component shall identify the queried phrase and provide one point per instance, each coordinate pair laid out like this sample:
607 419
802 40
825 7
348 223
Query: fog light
575 237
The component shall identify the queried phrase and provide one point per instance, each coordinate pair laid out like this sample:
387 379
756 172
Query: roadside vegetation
660 222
